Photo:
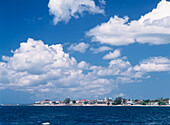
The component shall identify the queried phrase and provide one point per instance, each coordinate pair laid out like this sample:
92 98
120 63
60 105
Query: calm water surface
29 115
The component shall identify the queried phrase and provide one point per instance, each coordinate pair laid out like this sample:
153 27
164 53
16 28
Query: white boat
46 123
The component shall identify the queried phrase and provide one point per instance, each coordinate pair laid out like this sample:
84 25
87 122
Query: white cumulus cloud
64 10
48 71
81 47
112 55
120 95
154 64
102 2
83 65
100 49
152 28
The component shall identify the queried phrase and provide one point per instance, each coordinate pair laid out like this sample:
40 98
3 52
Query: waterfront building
56 102
101 102
154 102
81 101
62 102
130 102
37 102
92 101
138 102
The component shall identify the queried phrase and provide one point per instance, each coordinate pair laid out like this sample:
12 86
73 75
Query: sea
84 115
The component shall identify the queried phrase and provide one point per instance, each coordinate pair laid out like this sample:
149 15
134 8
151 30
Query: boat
46 123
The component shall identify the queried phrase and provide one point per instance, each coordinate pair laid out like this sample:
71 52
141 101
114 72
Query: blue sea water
65 115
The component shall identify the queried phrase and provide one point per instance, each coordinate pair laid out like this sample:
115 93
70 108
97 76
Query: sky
84 49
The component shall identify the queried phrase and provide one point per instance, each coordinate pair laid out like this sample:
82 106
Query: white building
130 102
56 102
45 102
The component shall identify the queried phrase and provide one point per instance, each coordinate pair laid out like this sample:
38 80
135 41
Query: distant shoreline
111 105
86 105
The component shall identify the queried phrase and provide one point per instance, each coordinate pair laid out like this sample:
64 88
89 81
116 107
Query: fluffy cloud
120 95
142 70
100 49
102 2
83 65
49 71
81 47
113 55
154 64
116 68
152 28
64 10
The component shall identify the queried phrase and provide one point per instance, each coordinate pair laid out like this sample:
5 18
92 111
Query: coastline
108 105
86 105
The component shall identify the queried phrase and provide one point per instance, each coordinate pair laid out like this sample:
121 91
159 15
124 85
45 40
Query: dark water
28 115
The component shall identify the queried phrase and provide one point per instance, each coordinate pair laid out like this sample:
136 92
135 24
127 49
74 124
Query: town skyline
105 102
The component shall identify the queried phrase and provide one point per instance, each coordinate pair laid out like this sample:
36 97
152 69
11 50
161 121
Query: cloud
83 65
47 71
120 70
141 71
100 49
154 64
81 47
102 2
152 28
115 68
113 55
120 95
64 10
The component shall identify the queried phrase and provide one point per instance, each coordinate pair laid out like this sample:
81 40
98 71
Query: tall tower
105 99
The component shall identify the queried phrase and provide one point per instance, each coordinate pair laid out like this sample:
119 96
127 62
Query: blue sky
84 49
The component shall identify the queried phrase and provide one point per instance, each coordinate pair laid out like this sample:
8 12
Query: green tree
74 101
67 100
136 100
54 102
143 103
147 101
47 100
166 99
113 103
156 100
85 102
118 100
161 103
124 100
